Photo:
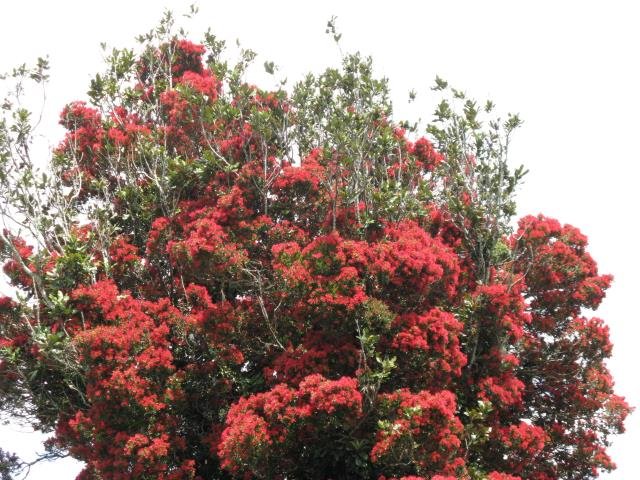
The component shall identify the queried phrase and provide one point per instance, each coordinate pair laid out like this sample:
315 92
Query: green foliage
481 187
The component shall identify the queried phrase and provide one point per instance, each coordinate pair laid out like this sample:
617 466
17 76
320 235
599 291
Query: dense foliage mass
217 281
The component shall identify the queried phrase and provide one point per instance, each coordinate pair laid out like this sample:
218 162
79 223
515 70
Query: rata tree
215 281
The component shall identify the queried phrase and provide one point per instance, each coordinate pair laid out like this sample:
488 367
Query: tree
217 281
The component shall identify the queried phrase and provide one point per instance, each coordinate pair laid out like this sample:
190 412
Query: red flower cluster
420 428
428 157
86 133
204 83
265 429
14 268
428 348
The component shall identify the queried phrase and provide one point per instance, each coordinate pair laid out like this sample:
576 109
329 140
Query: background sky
570 69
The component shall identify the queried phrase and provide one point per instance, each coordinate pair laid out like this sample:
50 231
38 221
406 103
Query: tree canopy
217 281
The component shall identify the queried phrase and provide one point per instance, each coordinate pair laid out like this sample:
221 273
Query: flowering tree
217 281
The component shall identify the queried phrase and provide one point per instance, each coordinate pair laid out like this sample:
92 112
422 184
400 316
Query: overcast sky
570 68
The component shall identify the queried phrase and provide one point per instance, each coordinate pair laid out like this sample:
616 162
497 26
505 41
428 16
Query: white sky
569 68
